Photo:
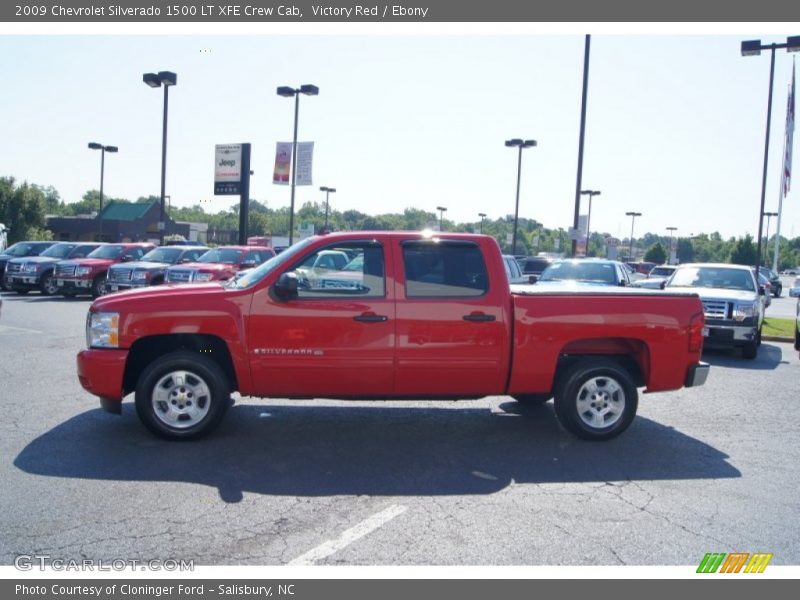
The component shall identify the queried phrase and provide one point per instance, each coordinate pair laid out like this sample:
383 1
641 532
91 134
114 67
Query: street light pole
482 216
754 48
633 216
441 210
103 149
155 80
766 245
589 193
327 191
671 230
518 143
288 92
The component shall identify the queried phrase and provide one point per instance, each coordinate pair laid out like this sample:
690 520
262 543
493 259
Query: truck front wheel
182 396
596 399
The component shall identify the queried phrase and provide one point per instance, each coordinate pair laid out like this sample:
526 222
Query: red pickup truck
411 315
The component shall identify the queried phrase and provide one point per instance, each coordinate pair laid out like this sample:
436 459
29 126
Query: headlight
81 271
744 310
102 330
203 276
141 275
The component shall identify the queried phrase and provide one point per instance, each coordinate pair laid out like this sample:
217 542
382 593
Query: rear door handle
370 318
478 317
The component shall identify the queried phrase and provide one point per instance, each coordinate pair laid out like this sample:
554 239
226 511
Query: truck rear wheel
596 399
182 396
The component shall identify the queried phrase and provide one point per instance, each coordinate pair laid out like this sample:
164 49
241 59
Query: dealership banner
227 169
430 11
305 158
283 163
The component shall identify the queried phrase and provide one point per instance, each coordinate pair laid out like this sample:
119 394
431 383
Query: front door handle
371 318
478 317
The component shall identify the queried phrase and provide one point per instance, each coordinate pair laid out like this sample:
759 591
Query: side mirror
761 290
286 286
532 279
663 285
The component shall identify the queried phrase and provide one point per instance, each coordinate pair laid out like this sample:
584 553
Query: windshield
20 249
112 252
58 250
580 271
163 255
661 272
221 255
253 276
713 277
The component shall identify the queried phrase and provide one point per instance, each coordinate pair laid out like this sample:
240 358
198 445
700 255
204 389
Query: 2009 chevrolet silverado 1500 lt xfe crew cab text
406 315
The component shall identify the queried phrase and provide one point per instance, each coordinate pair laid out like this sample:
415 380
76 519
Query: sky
675 121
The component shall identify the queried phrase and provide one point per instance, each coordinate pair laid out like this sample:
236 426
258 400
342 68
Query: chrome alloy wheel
601 402
181 399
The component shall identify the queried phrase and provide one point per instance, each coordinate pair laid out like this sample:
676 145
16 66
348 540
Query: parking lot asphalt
483 482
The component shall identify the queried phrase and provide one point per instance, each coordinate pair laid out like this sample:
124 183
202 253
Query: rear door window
444 270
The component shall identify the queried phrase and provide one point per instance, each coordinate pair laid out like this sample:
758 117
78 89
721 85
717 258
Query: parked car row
95 269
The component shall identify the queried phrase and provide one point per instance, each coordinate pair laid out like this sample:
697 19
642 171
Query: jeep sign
228 169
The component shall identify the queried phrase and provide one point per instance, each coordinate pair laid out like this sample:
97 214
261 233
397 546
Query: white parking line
349 536
9 329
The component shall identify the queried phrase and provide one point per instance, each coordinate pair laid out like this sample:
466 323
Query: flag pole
786 166
777 249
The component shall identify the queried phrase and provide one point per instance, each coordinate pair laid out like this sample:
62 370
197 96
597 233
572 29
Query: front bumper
729 336
118 286
27 282
73 284
101 373
697 374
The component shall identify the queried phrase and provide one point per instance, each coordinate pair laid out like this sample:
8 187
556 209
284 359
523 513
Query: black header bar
412 11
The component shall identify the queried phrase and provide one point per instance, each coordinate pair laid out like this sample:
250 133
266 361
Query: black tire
4 283
575 405
175 372
532 399
750 350
99 286
778 290
47 286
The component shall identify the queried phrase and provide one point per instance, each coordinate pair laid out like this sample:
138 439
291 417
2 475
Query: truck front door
336 338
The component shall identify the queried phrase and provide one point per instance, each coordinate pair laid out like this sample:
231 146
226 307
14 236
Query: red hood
207 267
91 262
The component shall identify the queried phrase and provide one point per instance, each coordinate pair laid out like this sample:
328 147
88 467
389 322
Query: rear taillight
696 324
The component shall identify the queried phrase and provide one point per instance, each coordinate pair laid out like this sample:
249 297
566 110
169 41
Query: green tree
743 251
656 253
21 210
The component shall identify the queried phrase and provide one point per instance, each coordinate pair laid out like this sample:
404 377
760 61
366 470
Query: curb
775 338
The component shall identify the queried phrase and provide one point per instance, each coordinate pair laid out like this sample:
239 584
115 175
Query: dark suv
37 272
152 267
534 265
18 250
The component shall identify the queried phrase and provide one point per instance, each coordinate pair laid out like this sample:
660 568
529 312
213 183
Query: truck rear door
452 322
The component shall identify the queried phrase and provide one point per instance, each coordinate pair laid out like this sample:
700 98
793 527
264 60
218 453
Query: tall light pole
672 231
288 92
155 80
103 149
441 210
581 137
766 247
633 216
327 190
591 194
754 48
518 143
482 216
